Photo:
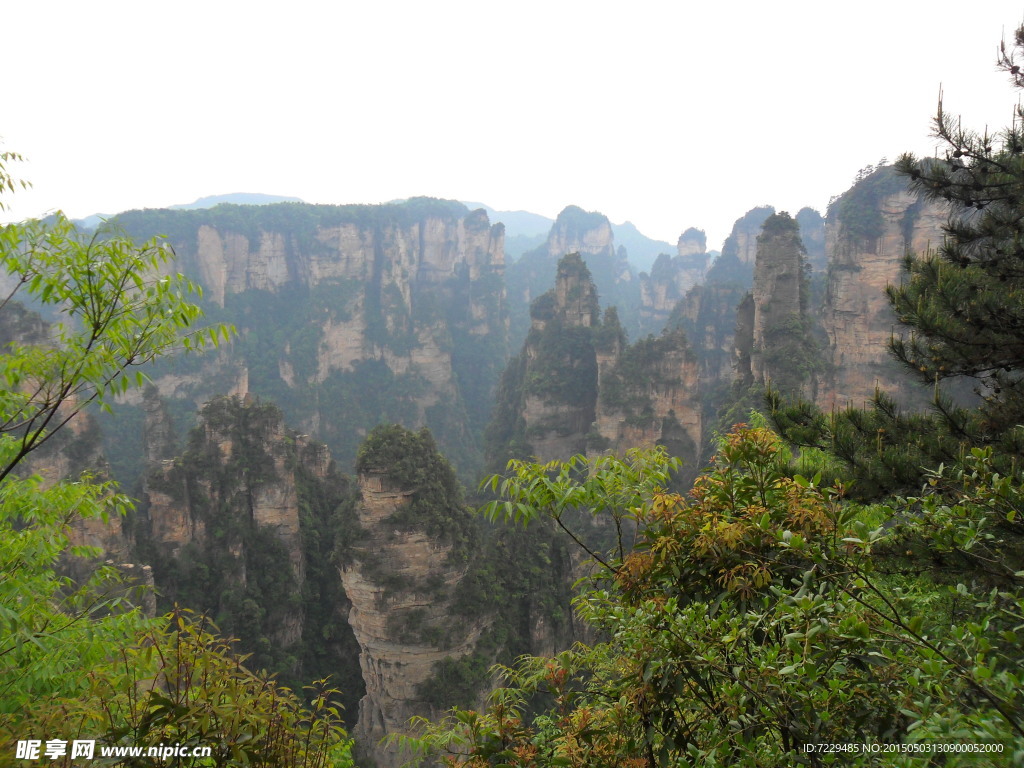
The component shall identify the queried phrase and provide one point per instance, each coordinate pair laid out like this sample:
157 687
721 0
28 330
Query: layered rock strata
404 301
869 232
402 578
671 278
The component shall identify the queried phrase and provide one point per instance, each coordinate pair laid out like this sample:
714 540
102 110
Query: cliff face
576 231
671 278
429 243
233 487
869 230
579 387
707 313
348 315
242 526
403 579
648 394
779 331
560 385
812 235
420 568
242 454
820 334
741 245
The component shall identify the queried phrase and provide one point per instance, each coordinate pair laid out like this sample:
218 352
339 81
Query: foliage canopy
78 659
755 619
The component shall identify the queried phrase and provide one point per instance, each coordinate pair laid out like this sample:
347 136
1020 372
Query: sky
666 114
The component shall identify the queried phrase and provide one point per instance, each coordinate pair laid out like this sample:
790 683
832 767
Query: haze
668 115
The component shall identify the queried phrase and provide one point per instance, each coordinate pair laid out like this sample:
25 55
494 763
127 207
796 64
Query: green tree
117 308
752 623
963 316
78 659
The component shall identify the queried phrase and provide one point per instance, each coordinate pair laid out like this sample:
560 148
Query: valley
273 495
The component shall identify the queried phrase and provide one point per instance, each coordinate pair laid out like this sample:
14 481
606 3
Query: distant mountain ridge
235 198
524 230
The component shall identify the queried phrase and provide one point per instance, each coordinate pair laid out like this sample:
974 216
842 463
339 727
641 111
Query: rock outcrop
869 231
239 465
589 235
671 278
560 386
402 578
648 394
707 313
239 525
812 235
579 387
779 330
741 244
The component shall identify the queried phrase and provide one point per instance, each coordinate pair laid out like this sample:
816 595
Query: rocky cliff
780 336
707 313
869 230
589 235
812 235
741 244
348 315
817 333
403 578
560 385
578 386
671 278
243 525
648 394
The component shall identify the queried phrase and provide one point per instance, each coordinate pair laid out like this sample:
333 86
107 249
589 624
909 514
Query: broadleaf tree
755 624
78 659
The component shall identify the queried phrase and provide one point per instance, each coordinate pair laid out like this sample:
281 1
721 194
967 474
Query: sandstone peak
583 232
779 302
575 295
692 242
742 241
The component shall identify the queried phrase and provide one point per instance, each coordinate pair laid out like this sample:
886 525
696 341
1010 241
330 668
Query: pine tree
963 308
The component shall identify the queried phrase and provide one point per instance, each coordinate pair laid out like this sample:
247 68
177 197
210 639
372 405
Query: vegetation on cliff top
859 210
286 329
298 220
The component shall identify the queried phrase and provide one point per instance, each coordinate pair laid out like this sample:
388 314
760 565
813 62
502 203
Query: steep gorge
354 316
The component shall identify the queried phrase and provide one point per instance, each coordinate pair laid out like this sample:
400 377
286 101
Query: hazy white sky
667 114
